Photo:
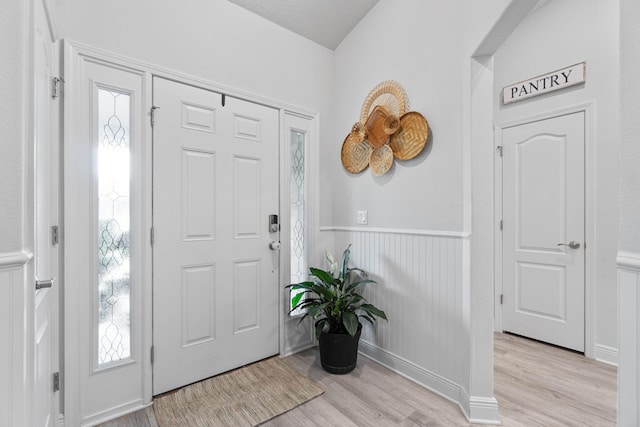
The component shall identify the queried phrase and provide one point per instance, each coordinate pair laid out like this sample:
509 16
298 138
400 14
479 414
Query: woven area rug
247 396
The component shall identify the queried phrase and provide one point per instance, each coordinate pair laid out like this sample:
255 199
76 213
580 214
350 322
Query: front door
46 256
215 184
544 227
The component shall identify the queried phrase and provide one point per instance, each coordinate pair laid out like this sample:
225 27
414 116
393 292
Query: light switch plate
363 217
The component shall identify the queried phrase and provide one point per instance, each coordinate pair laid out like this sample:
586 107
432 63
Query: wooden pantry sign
556 80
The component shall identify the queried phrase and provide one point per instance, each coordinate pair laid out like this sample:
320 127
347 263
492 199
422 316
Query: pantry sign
545 83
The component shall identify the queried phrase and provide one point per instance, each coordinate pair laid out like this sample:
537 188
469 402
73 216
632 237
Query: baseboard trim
606 354
298 349
479 410
115 412
429 380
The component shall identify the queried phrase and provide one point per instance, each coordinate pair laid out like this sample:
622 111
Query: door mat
247 396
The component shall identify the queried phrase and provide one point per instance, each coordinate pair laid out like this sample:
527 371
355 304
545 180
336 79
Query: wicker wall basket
381 160
356 151
412 137
388 94
385 131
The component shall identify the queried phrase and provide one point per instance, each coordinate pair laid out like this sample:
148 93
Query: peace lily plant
332 298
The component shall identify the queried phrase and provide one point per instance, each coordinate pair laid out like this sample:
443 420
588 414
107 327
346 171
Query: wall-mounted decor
386 130
555 80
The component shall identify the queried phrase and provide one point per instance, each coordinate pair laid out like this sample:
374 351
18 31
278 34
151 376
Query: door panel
543 206
215 278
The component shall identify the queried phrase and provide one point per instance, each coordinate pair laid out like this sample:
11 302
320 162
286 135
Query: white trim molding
606 354
628 261
408 232
15 259
628 338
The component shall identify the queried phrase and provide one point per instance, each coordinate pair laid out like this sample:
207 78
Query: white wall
12 118
629 255
16 217
426 46
403 41
559 34
630 127
210 39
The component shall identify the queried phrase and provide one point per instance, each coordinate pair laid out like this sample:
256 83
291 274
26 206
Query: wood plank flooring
535 384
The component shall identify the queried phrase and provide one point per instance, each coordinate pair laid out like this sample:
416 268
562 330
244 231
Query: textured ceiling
326 22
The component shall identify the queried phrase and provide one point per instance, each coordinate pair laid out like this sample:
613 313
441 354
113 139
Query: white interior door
215 183
543 237
46 258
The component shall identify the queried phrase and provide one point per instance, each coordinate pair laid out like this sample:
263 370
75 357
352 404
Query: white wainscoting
419 275
14 386
629 338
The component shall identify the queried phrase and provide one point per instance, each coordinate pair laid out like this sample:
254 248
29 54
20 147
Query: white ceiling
326 22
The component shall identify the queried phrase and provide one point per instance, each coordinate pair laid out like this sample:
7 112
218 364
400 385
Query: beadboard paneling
11 355
629 336
420 288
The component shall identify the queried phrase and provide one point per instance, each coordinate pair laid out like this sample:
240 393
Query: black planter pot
339 352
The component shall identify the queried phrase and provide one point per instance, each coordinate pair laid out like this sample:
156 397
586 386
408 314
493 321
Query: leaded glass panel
298 213
114 245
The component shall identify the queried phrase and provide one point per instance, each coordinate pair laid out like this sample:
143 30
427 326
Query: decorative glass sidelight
298 213
114 218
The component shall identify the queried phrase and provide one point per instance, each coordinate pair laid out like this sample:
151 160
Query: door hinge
499 150
153 115
56 381
501 298
501 224
56 84
153 353
153 235
55 235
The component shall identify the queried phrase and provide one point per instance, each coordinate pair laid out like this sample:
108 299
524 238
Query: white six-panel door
544 228
215 183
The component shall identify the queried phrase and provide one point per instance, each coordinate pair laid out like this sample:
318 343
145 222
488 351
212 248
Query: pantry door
215 185
544 230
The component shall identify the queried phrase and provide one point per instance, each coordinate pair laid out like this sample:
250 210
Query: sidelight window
298 213
114 219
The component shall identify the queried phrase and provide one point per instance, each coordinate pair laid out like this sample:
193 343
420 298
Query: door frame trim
73 49
588 109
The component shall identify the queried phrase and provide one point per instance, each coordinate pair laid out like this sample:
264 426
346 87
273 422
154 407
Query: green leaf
325 277
368 318
354 285
296 300
350 322
320 326
371 309
345 262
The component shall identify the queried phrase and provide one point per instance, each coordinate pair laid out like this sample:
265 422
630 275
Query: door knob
572 244
275 246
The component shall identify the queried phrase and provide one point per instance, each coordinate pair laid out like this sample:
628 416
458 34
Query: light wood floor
535 384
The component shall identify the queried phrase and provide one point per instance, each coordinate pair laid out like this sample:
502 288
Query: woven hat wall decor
386 130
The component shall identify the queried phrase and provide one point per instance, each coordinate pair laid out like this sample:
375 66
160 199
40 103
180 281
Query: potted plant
332 298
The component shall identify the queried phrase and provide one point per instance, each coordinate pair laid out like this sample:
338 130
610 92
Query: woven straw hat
412 137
